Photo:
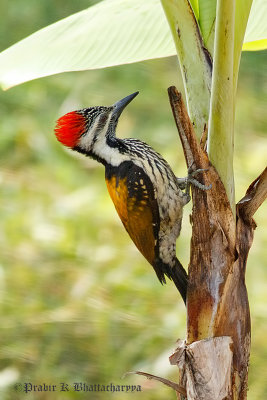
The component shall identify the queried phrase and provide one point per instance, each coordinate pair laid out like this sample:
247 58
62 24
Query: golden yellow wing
133 196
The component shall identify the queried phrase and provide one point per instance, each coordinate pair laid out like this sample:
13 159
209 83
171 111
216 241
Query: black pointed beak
121 104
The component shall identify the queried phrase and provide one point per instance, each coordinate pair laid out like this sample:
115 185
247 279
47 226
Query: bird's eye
103 119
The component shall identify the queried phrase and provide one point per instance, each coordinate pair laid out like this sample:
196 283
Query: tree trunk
214 361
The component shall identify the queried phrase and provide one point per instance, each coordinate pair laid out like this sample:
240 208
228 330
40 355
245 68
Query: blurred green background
78 302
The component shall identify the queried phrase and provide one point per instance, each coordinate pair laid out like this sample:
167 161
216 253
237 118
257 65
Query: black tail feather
180 278
177 274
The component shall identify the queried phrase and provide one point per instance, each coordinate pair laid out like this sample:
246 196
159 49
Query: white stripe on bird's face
94 141
96 132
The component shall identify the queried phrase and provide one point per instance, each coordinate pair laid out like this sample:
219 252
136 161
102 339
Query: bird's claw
184 183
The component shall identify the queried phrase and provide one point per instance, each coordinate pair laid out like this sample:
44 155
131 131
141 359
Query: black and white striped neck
104 148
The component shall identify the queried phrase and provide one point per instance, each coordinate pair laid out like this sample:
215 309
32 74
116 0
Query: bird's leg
184 183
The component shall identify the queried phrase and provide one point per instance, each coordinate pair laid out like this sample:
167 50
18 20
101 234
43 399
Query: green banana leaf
112 32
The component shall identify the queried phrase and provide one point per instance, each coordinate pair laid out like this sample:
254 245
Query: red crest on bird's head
69 128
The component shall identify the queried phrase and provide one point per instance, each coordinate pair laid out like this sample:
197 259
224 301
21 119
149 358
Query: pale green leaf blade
195 7
256 33
243 8
255 46
110 33
207 15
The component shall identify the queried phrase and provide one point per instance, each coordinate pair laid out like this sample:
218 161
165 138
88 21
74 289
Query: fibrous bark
217 302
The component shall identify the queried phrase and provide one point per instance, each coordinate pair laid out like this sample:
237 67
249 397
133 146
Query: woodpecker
146 193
